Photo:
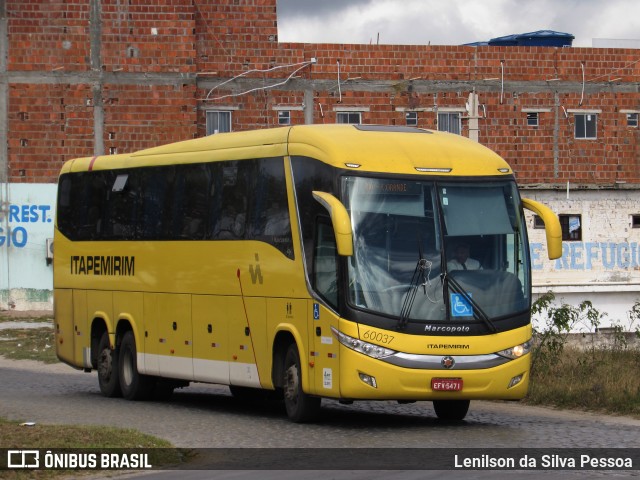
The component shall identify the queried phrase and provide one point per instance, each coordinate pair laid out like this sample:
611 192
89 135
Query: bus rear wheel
108 368
300 406
453 410
134 386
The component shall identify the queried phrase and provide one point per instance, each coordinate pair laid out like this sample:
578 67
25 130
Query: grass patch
14 435
4 317
601 380
29 344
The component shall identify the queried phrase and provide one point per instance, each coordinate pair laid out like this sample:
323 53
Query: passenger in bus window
461 259
277 220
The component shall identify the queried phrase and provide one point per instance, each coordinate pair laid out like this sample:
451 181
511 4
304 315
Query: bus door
324 279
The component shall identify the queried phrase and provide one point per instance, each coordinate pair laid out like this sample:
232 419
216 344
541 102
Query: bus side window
325 262
123 204
269 213
233 214
157 184
66 219
192 202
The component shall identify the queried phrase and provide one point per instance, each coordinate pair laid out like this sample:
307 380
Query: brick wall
95 76
48 35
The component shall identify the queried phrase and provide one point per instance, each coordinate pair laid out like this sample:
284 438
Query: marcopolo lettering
102 265
447 328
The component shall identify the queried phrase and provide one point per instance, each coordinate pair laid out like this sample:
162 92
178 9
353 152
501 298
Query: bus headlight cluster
517 351
366 348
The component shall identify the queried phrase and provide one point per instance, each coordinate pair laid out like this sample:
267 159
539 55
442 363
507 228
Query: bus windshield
426 251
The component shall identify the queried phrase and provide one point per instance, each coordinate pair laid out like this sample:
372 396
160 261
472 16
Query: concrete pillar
95 37
308 107
472 110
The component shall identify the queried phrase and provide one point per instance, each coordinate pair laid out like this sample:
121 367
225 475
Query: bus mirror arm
340 221
551 226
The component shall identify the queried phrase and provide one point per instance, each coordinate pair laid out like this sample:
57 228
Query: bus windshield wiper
418 279
478 312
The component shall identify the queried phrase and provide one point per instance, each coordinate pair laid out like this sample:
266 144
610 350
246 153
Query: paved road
207 416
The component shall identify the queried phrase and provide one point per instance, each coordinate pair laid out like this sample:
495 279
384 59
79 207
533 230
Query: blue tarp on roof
541 38
506 41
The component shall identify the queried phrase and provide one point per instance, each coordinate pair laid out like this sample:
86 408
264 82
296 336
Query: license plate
446 384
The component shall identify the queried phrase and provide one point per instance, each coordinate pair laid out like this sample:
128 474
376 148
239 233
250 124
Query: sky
452 22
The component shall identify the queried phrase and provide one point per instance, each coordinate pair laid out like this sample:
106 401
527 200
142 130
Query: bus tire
107 366
134 386
452 410
300 406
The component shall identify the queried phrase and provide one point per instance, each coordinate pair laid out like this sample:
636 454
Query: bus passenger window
192 200
123 206
232 217
268 212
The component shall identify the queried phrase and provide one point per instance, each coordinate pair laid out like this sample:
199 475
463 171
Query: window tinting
478 211
238 200
325 265
310 175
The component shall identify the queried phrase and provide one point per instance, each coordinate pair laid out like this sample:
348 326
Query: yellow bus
315 261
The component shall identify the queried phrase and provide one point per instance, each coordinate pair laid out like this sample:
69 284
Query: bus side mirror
551 226
340 221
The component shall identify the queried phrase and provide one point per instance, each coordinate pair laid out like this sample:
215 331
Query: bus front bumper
363 377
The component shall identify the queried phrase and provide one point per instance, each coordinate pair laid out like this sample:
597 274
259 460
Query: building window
449 122
586 124
635 221
571 227
538 223
411 118
632 119
218 121
532 119
284 117
349 117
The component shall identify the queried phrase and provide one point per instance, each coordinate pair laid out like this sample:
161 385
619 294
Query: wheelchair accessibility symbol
460 306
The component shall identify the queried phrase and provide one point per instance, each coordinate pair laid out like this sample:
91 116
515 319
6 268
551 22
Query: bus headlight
366 348
517 351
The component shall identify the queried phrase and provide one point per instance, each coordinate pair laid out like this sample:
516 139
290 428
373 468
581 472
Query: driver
461 259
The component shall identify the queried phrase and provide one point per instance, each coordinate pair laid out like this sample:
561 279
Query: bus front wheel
108 368
454 410
300 406
134 386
